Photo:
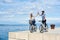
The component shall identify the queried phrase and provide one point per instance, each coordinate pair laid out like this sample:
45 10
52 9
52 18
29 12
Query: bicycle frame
42 27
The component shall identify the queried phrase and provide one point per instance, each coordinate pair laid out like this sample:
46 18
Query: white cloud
3 12
27 8
6 12
21 7
49 18
47 4
52 19
17 12
8 1
52 2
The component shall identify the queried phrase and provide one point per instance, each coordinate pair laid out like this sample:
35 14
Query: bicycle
32 27
42 27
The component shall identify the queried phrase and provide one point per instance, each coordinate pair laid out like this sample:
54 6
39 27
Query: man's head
43 12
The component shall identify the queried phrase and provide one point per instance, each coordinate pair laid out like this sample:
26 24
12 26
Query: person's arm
39 14
36 15
44 17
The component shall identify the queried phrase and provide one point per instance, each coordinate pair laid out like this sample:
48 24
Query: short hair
43 11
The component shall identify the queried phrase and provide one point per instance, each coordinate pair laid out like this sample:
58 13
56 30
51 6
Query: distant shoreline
13 25
56 24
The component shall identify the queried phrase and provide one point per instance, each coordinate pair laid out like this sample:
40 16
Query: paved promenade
52 34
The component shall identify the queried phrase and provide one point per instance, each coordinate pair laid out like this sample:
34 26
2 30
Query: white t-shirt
32 18
43 17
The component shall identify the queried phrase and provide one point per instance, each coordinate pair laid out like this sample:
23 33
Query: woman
32 20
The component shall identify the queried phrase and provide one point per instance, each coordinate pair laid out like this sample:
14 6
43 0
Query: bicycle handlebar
40 21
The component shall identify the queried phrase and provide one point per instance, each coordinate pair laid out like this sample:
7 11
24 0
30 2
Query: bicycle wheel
32 28
41 28
35 28
46 28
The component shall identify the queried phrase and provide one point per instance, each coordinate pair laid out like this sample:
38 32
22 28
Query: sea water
4 30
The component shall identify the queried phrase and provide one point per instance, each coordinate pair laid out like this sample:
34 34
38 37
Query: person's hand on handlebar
39 20
38 13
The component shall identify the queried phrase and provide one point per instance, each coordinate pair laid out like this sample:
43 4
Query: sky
17 11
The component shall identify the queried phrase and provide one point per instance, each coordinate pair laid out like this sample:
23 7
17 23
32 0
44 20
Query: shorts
43 21
32 22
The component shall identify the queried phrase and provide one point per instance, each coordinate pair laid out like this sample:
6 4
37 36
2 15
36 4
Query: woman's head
31 15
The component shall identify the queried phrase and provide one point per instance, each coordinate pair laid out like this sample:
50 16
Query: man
43 17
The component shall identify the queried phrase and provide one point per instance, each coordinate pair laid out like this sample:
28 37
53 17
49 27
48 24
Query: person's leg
45 23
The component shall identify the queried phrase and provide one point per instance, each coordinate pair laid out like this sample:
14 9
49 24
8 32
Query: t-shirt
33 18
43 17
